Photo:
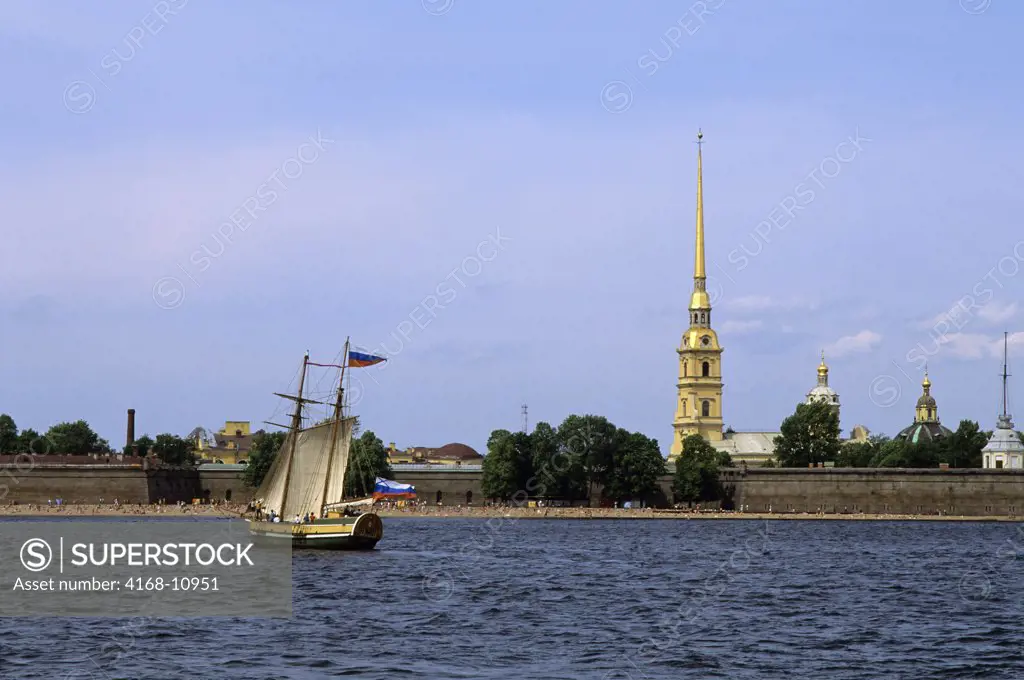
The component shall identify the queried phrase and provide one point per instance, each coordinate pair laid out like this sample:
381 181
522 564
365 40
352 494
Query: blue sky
541 151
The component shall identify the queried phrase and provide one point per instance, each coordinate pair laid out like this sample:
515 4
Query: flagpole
344 363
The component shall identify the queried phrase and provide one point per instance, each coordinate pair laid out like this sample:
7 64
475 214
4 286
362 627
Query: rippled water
615 599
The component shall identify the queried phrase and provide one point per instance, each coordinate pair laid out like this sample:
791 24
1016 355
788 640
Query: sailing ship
300 499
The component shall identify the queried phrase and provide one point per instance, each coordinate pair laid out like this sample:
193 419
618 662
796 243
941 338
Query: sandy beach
649 513
234 510
121 510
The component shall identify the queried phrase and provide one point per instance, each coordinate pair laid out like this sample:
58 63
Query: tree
174 450
591 441
142 446
367 460
890 450
8 434
696 476
545 462
262 453
499 467
636 466
901 454
963 447
75 438
856 454
810 435
30 441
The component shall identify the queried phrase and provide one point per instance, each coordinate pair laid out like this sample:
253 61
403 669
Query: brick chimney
131 429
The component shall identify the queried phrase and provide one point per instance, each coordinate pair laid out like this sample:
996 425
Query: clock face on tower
706 340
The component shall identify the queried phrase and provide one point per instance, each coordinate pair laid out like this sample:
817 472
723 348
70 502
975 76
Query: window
227 495
469 498
439 497
999 464
682 405
702 317
705 369
706 409
684 369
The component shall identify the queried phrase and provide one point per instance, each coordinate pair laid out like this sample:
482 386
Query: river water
604 599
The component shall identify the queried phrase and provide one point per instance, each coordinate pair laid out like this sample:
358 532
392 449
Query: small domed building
926 427
822 393
1004 448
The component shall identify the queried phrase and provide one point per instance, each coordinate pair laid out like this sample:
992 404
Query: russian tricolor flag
362 360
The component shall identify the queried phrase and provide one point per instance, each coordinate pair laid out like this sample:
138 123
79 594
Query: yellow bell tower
699 400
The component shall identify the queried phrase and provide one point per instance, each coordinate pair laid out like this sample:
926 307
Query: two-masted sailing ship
301 498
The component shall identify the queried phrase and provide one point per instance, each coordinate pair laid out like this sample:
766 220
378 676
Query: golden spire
926 383
698 265
699 300
822 370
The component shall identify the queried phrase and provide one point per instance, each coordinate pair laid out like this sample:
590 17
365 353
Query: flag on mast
362 360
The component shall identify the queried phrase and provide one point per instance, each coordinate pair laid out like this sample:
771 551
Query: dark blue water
613 599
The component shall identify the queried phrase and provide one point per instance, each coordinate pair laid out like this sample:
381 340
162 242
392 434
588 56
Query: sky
500 196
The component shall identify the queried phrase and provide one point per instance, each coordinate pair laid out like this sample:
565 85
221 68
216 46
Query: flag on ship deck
385 488
362 360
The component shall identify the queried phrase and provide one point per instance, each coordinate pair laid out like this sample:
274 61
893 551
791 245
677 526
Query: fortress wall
452 484
954 492
224 485
74 484
951 492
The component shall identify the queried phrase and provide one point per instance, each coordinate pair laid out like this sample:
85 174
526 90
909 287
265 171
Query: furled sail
271 491
302 481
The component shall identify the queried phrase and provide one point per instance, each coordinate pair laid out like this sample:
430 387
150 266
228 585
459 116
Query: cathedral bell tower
699 398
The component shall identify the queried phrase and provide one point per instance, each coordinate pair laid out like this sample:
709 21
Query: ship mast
296 427
338 406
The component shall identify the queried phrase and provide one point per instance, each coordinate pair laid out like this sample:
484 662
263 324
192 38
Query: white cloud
958 316
851 344
739 327
980 346
995 312
752 303
966 345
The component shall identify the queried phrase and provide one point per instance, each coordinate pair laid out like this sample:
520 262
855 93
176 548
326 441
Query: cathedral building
699 406
699 400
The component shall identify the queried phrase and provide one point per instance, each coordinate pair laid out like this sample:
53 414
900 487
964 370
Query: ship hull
343 533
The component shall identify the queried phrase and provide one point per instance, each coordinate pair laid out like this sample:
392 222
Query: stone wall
449 485
224 483
35 481
953 492
73 484
932 491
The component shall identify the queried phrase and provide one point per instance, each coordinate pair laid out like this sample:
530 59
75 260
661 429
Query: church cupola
927 411
822 393
926 425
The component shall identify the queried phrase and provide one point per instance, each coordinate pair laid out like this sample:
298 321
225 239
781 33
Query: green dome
924 432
